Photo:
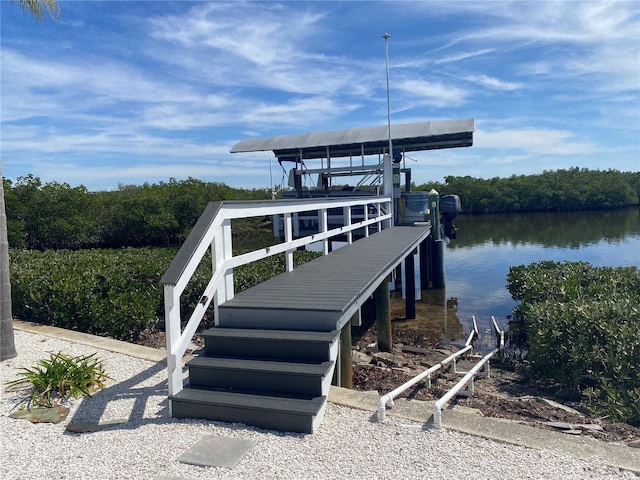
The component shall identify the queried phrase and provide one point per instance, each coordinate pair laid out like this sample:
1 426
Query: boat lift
386 401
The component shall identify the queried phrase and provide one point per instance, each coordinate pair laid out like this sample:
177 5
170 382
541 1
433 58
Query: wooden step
270 344
283 377
263 411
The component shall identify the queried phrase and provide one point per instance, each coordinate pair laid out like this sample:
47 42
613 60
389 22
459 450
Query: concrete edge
109 344
456 418
464 420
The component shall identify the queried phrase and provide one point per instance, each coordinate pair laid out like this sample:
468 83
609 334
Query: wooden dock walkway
270 360
323 294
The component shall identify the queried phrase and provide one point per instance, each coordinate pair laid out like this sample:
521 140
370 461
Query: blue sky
128 92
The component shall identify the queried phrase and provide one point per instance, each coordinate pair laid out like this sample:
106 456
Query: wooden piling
425 255
437 243
383 317
345 363
438 264
410 288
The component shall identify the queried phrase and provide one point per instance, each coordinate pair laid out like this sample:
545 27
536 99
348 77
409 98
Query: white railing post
323 223
227 255
288 236
172 328
366 217
217 261
346 213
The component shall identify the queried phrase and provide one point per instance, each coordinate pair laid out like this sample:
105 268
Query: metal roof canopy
408 137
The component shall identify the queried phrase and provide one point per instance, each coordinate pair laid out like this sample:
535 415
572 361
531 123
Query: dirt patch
507 392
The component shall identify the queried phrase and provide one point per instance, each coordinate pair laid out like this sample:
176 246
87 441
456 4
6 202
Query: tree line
57 216
552 191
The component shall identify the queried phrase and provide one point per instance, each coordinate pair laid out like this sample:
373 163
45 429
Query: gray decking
270 359
325 293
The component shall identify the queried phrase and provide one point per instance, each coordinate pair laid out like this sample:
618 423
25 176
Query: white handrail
437 407
213 231
387 400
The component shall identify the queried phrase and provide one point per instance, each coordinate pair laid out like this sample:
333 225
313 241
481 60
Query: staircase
269 361
273 379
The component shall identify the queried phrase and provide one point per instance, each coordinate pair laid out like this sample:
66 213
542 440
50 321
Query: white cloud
532 140
493 83
583 38
464 55
431 93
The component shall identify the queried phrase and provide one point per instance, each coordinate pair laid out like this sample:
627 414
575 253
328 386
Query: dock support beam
383 317
437 243
410 287
425 266
345 362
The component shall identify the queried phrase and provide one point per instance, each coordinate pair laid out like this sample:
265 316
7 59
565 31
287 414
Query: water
478 261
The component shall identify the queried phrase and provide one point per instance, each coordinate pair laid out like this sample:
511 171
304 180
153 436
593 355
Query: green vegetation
552 191
55 215
581 326
73 265
113 292
54 380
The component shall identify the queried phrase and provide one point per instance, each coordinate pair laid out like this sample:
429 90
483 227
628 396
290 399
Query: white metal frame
387 400
218 239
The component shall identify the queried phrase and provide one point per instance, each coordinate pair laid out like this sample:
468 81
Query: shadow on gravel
132 398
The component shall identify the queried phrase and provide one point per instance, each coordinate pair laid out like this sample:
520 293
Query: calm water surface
478 261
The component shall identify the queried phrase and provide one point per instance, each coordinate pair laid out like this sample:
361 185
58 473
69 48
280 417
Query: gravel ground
349 445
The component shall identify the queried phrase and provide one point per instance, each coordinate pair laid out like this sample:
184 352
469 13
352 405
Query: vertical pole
172 329
388 170
217 261
227 255
410 279
437 253
438 263
383 317
366 217
346 213
398 280
346 366
323 223
424 263
288 236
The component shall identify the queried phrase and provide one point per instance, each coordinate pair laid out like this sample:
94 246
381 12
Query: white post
323 223
217 261
227 254
366 217
172 327
346 213
288 236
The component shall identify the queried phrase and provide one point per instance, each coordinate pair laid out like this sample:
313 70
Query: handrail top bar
302 202
188 248
227 210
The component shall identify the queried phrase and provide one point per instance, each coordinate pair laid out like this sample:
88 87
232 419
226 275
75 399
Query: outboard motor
450 207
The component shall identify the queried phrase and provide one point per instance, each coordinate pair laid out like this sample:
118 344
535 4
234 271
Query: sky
128 92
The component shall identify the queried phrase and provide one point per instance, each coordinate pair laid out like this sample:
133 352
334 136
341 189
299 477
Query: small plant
55 379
